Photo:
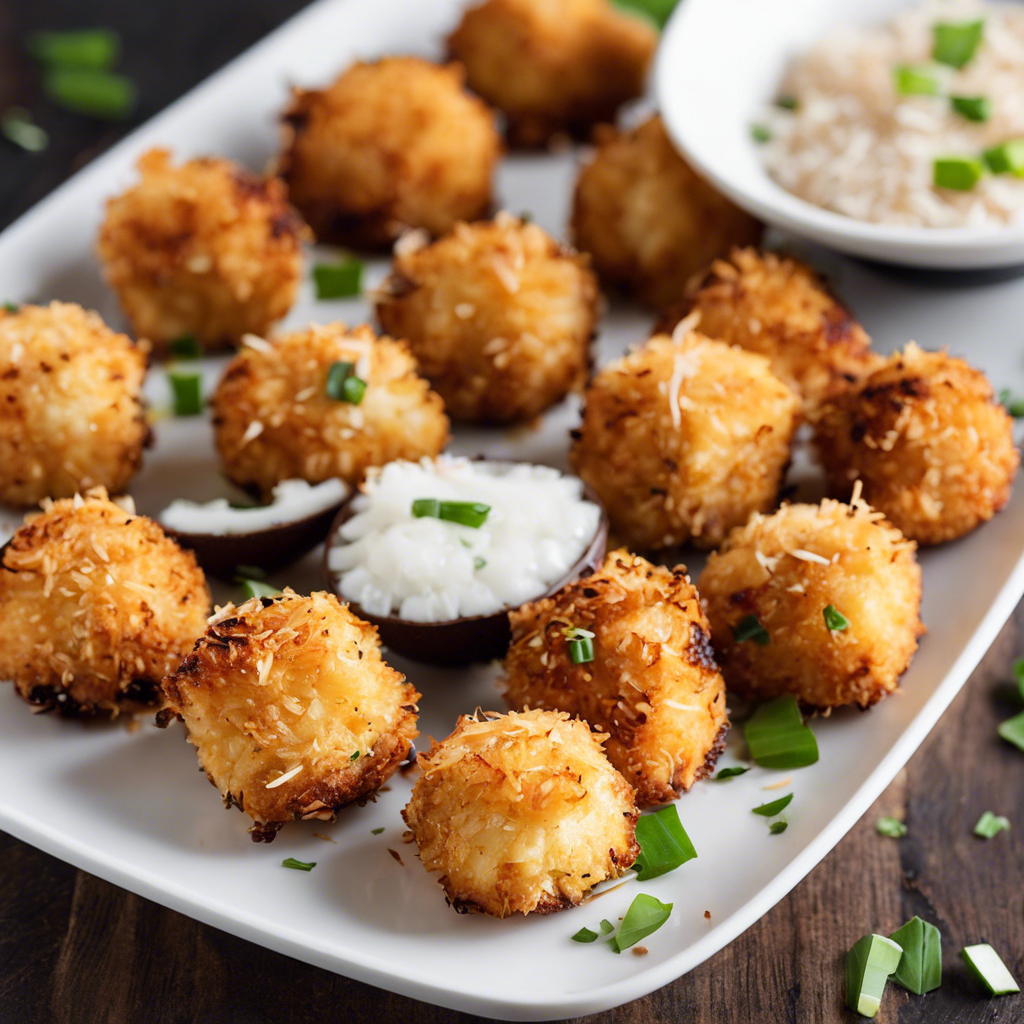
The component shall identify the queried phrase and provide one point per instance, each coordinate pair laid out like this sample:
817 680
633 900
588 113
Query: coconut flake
282 779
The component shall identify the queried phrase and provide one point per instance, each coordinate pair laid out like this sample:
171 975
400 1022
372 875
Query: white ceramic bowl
719 64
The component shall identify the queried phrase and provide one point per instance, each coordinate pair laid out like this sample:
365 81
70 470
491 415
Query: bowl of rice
888 129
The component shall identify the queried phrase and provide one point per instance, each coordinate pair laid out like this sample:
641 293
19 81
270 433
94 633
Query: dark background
76 950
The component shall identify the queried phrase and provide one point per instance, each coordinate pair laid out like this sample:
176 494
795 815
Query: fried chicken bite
683 439
553 66
782 309
277 416
819 601
97 606
521 813
388 146
652 684
927 440
498 315
648 220
204 248
292 710
71 409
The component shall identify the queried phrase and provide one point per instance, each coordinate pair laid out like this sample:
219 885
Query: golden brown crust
71 408
287 682
203 248
97 606
521 813
648 220
653 684
683 439
274 419
388 146
553 66
932 447
499 316
785 569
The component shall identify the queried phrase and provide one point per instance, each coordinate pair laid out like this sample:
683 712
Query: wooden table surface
77 950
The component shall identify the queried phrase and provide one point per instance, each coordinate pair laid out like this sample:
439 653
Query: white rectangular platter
131 806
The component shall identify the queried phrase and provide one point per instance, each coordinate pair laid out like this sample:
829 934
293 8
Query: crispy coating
782 309
499 316
388 146
287 683
521 813
97 606
553 66
786 569
203 248
683 439
274 419
71 411
648 220
931 446
653 684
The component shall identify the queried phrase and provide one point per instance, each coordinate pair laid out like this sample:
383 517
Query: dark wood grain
76 950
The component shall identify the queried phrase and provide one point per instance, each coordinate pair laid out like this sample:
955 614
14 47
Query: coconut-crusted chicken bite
521 813
818 601
388 146
780 308
97 606
71 409
292 710
203 248
683 439
553 66
651 682
284 410
499 315
647 219
928 442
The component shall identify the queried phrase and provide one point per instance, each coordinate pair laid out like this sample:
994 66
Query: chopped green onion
607 927
581 651
254 588
96 49
730 773
868 966
769 810
188 393
17 126
298 865
645 916
1012 730
778 826
664 844
954 42
338 280
911 81
343 385
466 513
376 831
479 563
959 173
657 11
973 108
186 346
835 620
990 824
93 93
920 967
750 628
1015 407
354 756
1018 668
777 736
787 102
891 827
11 307
759 133
987 966
585 935
1006 158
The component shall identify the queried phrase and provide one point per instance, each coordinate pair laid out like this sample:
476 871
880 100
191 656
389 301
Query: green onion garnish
585 935
343 385
960 173
777 736
466 513
479 563
645 916
657 11
891 827
750 628
835 620
868 966
607 927
1015 407
185 346
778 826
96 49
581 651
188 393
730 773
911 81
1012 730
11 307
298 865
989 969
338 280
920 967
973 108
254 588
1006 158
664 844
1018 667
787 102
759 133
954 42
97 94
376 831
354 756
17 126
769 810
990 824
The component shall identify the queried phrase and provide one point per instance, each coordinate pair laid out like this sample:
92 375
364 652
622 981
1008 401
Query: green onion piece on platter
338 280
730 773
955 42
1012 730
760 133
644 917
777 736
777 827
920 967
1006 158
868 966
185 346
1015 407
94 49
98 94
664 844
911 81
298 865
769 810
585 935
188 393
987 966
973 108
958 173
